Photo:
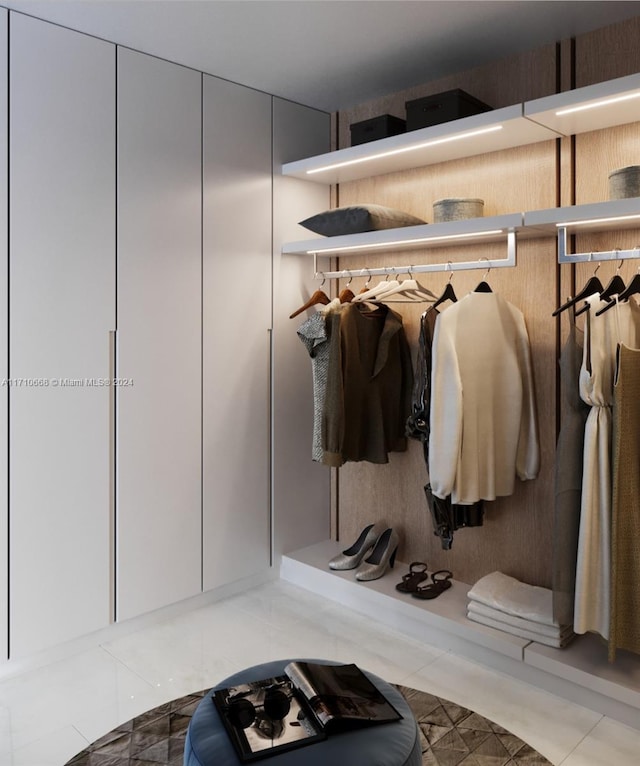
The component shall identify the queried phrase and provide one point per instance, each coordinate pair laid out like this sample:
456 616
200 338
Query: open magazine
303 706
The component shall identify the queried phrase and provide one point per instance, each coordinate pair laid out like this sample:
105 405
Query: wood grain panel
609 52
498 84
516 536
394 492
600 152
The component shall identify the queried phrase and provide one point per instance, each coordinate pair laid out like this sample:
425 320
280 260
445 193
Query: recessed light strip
399 242
598 220
596 104
402 150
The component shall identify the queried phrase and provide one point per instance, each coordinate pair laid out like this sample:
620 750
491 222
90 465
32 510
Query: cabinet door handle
112 476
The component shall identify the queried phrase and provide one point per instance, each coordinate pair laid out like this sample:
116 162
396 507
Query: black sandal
436 587
417 573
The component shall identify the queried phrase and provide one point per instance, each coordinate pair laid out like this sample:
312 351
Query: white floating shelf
490 229
467 137
596 216
594 107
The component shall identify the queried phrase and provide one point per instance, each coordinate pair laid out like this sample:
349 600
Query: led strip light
598 220
596 104
402 150
397 243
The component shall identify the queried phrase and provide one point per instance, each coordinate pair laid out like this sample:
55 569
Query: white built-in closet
158 424
146 213
61 313
236 330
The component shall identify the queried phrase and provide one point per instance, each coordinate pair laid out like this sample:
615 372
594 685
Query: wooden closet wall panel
607 53
602 55
236 335
4 342
159 334
498 84
301 505
62 309
516 537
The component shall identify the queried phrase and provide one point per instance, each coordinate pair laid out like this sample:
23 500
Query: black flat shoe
438 585
417 573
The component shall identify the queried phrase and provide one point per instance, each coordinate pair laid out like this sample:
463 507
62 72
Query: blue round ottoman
389 744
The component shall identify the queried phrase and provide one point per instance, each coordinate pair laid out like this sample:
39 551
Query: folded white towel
558 643
551 631
499 591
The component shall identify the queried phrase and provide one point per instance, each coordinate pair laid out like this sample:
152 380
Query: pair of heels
383 544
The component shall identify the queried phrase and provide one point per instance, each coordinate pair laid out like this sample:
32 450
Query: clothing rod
605 255
482 263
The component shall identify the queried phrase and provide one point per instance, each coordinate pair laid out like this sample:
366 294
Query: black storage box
378 127
443 107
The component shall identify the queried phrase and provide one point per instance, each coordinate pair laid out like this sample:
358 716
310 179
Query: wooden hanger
346 294
365 287
318 297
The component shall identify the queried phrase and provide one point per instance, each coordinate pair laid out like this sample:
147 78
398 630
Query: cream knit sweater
483 422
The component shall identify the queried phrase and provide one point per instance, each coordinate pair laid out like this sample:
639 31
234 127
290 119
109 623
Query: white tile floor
49 714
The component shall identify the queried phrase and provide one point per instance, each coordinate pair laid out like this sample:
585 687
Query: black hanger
633 288
484 287
448 294
594 285
615 287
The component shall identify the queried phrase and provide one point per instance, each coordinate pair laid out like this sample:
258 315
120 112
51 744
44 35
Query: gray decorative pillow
354 219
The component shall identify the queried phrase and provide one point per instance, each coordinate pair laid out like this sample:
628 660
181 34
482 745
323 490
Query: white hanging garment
593 568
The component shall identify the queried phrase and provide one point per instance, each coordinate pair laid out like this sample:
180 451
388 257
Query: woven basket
457 209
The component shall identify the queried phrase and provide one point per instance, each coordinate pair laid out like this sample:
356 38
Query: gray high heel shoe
353 555
382 557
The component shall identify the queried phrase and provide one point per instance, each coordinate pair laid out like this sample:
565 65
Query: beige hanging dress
625 511
620 324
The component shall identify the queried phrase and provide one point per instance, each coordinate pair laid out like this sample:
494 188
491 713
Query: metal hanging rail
483 263
616 254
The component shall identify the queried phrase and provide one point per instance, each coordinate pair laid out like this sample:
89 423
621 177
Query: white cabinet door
159 508
4 344
62 301
301 487
236 337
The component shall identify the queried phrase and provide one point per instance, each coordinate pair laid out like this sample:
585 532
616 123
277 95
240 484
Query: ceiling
330 54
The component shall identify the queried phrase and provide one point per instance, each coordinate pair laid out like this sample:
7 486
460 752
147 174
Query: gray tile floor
50 714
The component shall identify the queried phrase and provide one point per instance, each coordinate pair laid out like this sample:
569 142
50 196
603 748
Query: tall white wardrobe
61 314
143 215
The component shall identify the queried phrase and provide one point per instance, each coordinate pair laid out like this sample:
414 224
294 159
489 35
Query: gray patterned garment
315 334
